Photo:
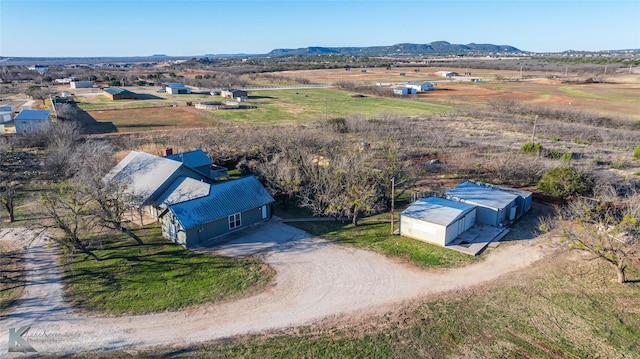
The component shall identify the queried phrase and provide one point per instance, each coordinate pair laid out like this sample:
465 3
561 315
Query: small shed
404 91
6 112
234 93
436 220
28 121
496 207
196 212
421 85
117 93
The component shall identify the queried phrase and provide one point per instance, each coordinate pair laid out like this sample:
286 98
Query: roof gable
224 199
34 115
182 190
142 173
437 210
117 91
192 159
481 195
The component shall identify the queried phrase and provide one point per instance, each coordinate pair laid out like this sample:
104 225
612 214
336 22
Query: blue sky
185 28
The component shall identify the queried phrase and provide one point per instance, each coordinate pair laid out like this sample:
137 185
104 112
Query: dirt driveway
315 279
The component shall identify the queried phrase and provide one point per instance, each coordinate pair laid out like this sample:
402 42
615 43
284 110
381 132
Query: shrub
636 153
566 158
531 147
566 181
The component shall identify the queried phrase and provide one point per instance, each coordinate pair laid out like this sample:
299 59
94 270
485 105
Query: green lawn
157 276
274 106
376 235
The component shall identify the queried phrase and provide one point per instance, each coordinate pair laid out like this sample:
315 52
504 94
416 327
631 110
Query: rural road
315 279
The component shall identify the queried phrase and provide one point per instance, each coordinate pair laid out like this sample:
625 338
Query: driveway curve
315 279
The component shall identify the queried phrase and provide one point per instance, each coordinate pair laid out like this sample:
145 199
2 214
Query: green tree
566 181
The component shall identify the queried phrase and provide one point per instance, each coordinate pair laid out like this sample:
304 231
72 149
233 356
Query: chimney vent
167 151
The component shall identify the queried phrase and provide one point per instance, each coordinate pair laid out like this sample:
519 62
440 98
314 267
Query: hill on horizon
404 49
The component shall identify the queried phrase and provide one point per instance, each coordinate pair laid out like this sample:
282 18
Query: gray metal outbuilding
496 207
436 220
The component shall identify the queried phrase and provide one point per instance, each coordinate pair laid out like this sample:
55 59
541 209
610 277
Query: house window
234 221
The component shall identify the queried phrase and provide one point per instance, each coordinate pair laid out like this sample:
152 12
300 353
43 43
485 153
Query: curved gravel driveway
315 279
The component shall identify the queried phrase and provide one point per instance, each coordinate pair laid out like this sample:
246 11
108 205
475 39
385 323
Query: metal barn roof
142 173
437 210
224 199
196 158
38 115
481 195
118 91
420 83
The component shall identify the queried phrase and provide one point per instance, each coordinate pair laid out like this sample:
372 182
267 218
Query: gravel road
315 279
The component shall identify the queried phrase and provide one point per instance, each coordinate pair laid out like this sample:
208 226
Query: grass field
263 107
157 276
375 235
566 307
12 275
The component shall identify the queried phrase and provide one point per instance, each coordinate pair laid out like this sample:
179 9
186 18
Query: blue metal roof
481 195
36 115
437 210
192 159
224 199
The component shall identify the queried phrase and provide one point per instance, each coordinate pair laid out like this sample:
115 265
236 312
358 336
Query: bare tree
70 211
8 197
608 231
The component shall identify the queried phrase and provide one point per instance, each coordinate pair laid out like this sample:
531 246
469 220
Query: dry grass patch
12 279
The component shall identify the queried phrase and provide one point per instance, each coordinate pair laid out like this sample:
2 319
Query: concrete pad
258 238
474 240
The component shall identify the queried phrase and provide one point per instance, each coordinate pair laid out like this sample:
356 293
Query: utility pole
393 195
533 135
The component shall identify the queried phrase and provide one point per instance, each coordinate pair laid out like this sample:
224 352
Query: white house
32 120
436 220
421 85
5 113
174 88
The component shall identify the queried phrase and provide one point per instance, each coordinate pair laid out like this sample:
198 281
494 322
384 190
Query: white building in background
81 84
6 112
28 121
174 88
421 85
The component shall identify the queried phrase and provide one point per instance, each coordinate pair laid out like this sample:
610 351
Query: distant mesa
436 47
159 55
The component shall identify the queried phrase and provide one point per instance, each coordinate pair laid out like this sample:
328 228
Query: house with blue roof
198 161
195 212
191 206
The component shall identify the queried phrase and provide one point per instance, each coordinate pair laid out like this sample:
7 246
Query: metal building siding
422 230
